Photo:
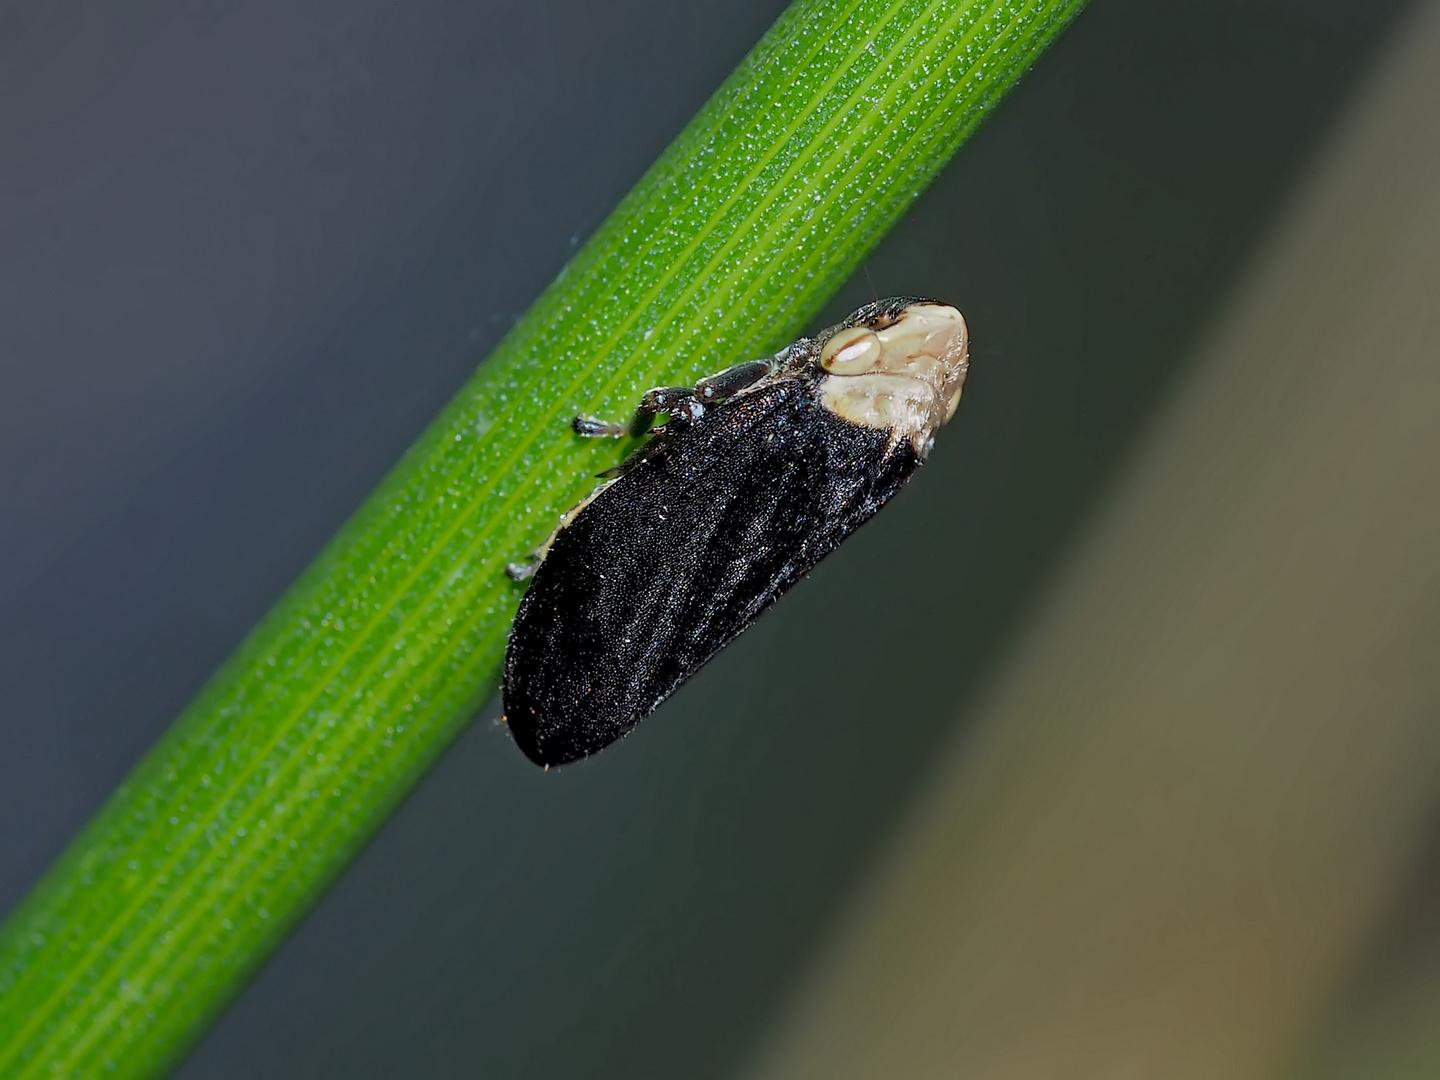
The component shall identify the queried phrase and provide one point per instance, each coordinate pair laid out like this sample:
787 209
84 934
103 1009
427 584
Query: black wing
678 555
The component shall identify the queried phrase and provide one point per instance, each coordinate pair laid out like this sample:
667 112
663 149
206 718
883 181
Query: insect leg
732 380
680 403
599 429
683 404
522 571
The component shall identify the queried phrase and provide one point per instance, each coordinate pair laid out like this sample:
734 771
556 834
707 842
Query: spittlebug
757 474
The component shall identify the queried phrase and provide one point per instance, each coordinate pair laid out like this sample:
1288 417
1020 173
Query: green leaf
365 671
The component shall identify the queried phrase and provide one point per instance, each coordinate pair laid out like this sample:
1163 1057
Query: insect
757 473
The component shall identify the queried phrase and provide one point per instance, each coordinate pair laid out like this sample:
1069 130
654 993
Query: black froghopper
757 474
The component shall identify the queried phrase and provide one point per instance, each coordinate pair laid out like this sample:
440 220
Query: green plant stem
365 671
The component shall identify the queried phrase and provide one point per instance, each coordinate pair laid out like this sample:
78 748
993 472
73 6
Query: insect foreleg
684 405
680 403
732 380
599 429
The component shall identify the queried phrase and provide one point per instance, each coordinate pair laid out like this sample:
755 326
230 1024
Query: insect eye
851 352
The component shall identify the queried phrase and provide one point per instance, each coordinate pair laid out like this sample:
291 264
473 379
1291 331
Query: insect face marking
901 372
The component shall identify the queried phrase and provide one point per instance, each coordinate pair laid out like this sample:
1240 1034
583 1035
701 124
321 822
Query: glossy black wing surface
678 555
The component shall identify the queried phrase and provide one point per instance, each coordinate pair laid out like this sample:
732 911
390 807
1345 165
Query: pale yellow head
903 374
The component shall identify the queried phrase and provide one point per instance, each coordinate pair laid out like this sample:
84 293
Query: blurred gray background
247 250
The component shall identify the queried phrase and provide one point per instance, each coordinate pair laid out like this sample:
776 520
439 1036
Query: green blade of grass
300 746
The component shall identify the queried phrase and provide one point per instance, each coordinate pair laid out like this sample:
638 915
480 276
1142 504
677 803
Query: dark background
247 250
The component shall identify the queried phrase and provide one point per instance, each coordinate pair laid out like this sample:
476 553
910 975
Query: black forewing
678 555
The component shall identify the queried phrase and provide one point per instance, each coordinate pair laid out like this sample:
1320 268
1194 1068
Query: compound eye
851 352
